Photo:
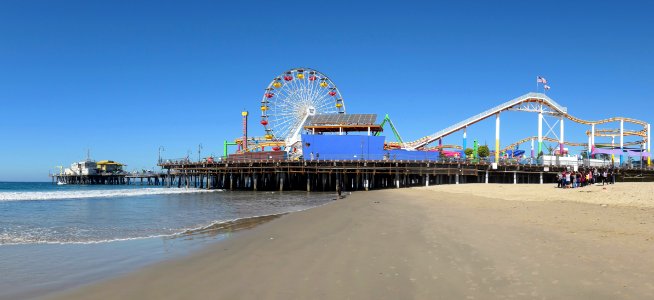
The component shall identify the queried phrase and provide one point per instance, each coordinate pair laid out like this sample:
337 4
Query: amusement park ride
298 94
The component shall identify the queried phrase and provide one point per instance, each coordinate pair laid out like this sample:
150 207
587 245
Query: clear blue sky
124 77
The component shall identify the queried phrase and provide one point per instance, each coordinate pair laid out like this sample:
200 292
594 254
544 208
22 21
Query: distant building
91 167
109 166
86 167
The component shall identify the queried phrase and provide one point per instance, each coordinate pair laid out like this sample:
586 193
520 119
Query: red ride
332 93
288 77
312 78
269 95
264 122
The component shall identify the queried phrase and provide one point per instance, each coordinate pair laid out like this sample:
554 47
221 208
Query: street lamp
161 148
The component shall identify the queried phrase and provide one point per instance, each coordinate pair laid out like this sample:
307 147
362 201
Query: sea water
54 237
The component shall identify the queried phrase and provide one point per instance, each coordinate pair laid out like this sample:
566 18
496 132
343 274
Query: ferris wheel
292 97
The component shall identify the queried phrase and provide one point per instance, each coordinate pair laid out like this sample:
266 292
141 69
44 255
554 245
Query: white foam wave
13 240
59 195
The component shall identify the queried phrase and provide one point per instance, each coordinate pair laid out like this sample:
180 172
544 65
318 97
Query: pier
361 175
111 179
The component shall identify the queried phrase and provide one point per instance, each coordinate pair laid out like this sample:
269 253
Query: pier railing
503 161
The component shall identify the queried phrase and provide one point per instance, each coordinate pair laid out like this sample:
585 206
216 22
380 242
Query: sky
124 78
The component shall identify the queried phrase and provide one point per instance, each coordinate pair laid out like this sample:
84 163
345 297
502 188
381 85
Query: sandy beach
443 242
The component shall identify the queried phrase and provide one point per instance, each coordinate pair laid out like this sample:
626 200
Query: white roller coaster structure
542 104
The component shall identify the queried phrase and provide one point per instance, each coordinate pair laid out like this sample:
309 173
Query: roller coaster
544 105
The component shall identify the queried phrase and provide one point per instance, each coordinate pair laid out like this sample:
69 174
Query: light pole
161 148
199 151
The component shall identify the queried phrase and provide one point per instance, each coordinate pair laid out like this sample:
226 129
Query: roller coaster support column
649 144
561 140
532 148
465 142
592 136
497 137
621 141
590 139
613 148
540 132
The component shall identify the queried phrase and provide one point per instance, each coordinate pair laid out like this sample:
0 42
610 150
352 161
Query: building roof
109 162
341 119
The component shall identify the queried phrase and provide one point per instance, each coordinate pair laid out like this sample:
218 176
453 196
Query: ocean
55 237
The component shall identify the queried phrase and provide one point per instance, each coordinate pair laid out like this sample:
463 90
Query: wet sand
423 243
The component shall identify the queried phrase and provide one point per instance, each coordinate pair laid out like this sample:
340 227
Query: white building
86 167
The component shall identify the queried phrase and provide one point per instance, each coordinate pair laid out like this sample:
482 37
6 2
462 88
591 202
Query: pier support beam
427 180
515 177
486 177
497 137
541 177
456 178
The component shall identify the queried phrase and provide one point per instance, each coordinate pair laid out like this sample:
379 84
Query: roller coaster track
530 98
572 144
616 132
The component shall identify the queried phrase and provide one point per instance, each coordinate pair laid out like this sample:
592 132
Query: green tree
469 152
483 151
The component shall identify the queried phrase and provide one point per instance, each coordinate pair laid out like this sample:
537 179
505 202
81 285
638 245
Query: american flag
541 80
546 87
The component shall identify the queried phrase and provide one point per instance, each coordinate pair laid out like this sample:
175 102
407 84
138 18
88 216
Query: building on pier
110 166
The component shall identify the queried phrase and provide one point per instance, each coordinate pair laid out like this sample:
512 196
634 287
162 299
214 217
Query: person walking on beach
604 177
567 179
559 179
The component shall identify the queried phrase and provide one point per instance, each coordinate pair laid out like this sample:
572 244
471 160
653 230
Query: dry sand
622 194
424 243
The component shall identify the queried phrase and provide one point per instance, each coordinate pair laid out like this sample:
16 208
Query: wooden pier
325 175
111 179
352 175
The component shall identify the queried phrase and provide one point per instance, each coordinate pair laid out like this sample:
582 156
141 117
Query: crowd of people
577 179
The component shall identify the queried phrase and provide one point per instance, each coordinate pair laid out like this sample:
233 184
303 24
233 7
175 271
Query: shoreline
415 243
131 233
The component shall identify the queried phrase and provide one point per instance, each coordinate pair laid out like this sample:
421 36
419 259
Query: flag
541 80
546 87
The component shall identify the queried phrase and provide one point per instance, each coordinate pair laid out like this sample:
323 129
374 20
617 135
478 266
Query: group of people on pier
577 179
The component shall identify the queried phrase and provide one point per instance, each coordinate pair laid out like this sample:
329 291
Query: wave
214 228
60 195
